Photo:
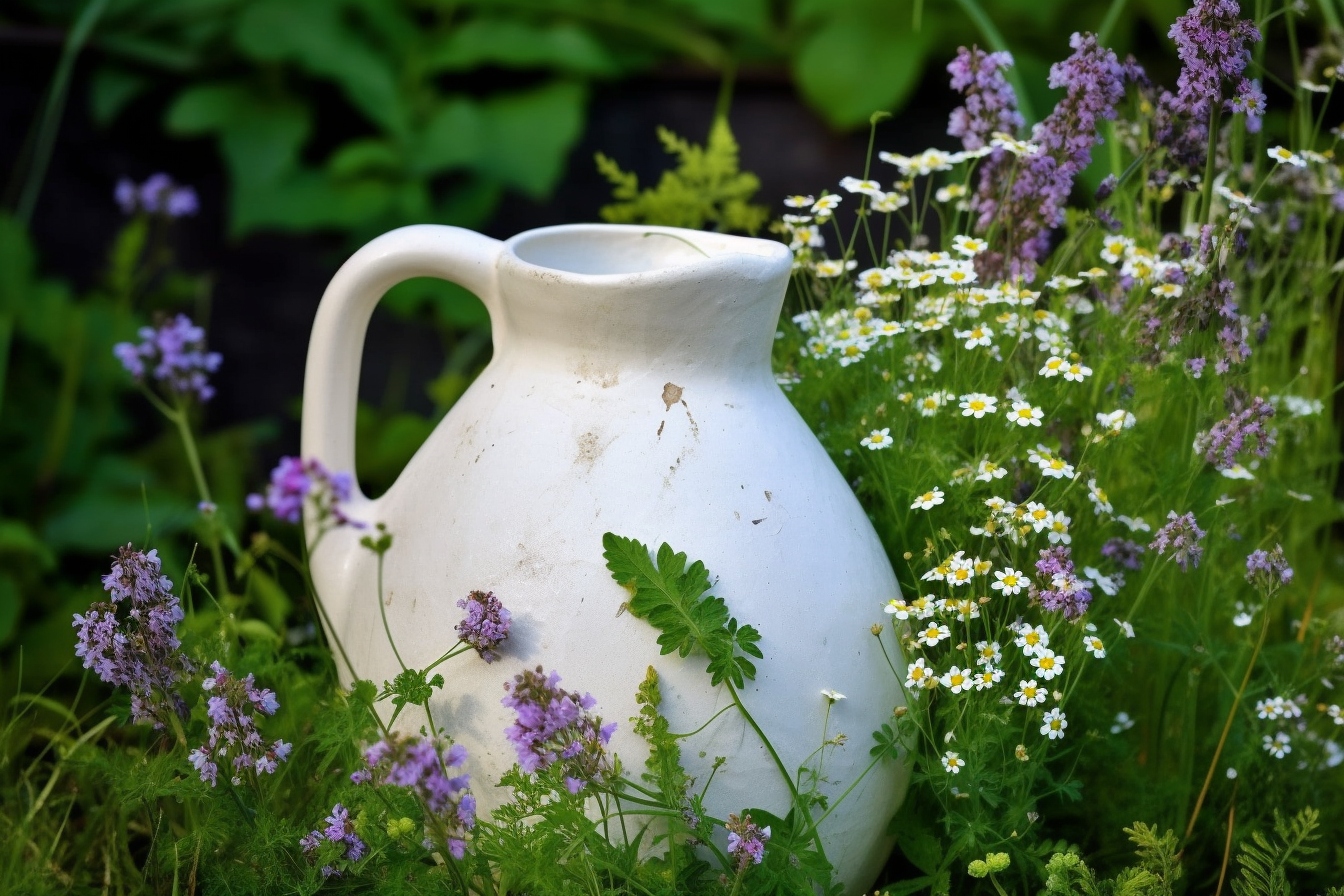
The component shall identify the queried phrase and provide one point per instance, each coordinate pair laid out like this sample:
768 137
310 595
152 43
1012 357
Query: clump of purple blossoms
557 727
991 105
1212 42
340 831
1038 189
746 841
294 481
486 625
159 195
421 764
1181 536
175 351
1127 553
131 640
1268 570
1067 593
1245 430
233 737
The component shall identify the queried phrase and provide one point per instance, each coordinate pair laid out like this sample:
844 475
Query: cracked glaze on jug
630 391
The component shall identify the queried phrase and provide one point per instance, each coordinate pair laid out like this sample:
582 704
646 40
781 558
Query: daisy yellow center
962 574
1024 412
1032 639
1010 581
1053 364
1055 723
877 438
987 652
930 403
977 405
1029 693
916 673
927 496
1056 464
1039 514
1047 662
957 680
1059 526
931 634
851 350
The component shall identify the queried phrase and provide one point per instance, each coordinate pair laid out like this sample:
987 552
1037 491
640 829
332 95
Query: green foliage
1265 862
705 190
664 760
671 596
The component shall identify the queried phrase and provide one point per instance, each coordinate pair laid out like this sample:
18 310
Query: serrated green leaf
527 136
510 43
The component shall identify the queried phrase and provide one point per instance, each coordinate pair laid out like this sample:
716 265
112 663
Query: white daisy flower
1029 693
1284 156
987 653
988 470
978 404
1094 645
1010 582
1031 639
831 696
957 679
877 439
919 676
932 634
799 201
1279 745
1135 523
1126 628
953 763
1100 503
928 500
1076 373
1122 723
1048 663
1023 414
987 677
1054 723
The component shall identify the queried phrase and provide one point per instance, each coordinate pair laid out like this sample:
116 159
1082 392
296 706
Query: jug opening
608 249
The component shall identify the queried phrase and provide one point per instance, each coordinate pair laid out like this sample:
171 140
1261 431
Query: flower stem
1227 726
178 416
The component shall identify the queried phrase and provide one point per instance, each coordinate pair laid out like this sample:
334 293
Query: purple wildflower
1181 535
1127 553
1196 366
1268 570
420 764
159 195
1245 430
486 624
176 351
1211 41
339 831
1038 189
991 105
295 480
746 841
1066 593
557 727
131 640
232 736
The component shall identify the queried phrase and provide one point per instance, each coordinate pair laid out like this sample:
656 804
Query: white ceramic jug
630 391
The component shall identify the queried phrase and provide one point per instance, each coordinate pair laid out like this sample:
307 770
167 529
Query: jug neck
643 296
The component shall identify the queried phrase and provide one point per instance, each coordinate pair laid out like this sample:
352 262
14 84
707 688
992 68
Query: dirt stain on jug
671 395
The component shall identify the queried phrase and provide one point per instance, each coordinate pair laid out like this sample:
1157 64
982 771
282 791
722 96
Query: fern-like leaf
1265 863
706 189
664 762
670 595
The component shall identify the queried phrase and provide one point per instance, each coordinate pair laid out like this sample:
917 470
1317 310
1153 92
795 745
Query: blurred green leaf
18 539
528 136
11 605
17 263
268 598
371 155
860 58
511 43
110 510
314 34
751 17
452 138
111 88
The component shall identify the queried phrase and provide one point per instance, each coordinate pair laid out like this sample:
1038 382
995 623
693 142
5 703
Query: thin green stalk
382 611
179 418
55 106
1227 726
1108 23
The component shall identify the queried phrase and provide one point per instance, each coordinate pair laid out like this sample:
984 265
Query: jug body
630 392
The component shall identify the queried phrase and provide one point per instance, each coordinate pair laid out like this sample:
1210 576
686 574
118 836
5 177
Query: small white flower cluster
1278 708
1018 521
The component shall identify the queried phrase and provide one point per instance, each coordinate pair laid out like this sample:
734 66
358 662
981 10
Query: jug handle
331 379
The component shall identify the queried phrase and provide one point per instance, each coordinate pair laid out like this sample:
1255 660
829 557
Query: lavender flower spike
419 763
1268 570
1067 593
1243 431
159 195
296 480
1181 535
990 104
131 640
486 625
557 727
232 738
175 353
338 830
746 841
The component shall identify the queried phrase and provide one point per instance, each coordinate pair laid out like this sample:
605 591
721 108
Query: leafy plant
705 190
1265 862
671 596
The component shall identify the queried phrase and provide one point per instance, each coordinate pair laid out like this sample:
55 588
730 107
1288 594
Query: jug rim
684 252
